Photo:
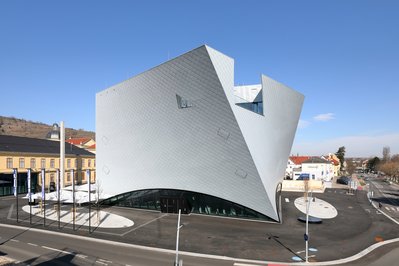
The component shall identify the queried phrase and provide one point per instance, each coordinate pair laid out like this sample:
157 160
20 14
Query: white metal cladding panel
145 141
270 136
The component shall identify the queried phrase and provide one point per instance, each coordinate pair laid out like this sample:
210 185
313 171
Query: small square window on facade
183 103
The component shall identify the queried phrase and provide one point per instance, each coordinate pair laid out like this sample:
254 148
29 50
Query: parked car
343 180
303 177
388 181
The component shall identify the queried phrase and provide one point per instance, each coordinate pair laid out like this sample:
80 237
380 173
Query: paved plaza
349 225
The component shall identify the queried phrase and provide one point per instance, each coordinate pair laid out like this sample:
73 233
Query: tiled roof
316 160
41 146
299 159
78 141
91 147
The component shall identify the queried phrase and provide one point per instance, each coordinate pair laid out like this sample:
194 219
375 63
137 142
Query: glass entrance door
172 205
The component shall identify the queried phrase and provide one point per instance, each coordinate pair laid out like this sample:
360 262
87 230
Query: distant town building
23 153
294 166
318 169
334 160
84 143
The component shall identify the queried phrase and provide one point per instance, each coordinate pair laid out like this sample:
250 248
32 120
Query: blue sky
342 55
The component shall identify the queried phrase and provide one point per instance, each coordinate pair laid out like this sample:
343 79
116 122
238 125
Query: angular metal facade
176 126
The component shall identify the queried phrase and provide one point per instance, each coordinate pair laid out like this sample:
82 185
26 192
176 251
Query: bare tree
350 166
386 154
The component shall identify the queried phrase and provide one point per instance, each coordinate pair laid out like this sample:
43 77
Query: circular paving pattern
317 208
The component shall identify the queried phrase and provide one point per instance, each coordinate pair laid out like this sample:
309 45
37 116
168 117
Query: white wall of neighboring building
318 171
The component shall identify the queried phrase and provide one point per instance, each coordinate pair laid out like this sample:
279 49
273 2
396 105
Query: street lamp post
306 236
177 239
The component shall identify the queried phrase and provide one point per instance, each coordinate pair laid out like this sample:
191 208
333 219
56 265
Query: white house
318 169
294 166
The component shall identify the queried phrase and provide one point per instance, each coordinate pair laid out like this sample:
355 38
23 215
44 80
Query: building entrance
172 205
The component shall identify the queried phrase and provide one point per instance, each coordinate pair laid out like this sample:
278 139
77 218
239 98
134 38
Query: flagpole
15 175
58 197
30 195
73 198
44 196
88 182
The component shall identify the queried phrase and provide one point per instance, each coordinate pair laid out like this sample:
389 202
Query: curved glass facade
170 201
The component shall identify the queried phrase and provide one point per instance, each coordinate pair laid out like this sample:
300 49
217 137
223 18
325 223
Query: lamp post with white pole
307 230
177 239
306 236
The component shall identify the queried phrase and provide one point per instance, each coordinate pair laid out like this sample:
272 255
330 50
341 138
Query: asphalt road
30 247
357 226
387 195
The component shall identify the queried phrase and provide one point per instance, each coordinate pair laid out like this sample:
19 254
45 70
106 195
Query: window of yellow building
88 163
68 177
83 163
9 163
21 162
68 163
43 163
52 163
32 163
51 177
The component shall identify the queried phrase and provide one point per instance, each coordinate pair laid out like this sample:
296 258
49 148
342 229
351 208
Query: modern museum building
182 136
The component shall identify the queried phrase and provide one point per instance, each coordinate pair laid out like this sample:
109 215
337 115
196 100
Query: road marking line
245 264
153 220
59 250
10 211
103 263
386 208
397 208
81 256
287 200
108 261
32 244
13 240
